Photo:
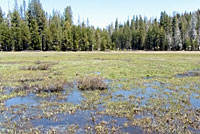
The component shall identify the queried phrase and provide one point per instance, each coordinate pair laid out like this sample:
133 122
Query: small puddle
122 95
192 73
143 94
195 102
98 73
75 97
30 100
83 119
107 81
7 90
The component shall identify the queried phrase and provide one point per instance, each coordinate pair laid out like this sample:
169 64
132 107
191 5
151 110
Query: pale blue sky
103 12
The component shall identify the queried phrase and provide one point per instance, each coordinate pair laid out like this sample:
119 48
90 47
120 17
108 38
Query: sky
101 13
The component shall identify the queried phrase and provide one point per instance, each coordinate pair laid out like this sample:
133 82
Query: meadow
100 92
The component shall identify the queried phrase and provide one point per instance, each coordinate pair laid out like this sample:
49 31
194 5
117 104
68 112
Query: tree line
31 28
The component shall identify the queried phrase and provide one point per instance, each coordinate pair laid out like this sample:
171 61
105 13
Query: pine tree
1 15
35 37
98 39
163 42
25 35
67 40
105 41
141 34
68 15
5 40
56 31
76 34
116 24
149 39
35 11
155 35
48 40
193 32
177 41
15 28
198 30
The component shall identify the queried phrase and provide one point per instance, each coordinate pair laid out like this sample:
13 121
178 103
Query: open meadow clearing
100 92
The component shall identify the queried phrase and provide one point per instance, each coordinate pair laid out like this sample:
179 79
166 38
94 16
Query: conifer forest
29 27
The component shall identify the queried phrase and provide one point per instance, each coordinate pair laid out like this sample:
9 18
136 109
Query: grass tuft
48 85
91 83
38 67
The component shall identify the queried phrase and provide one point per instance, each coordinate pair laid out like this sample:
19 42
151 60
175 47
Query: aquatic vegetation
51 85
47 85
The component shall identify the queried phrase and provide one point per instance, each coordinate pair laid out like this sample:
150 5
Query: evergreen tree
48 40
5 40
76 34
35 37
35 11
193 32
163 41
25 35
98 39
183 30
177 41
15 29
67 40
155 35
105 40
56 31
149 39
68 15
1 15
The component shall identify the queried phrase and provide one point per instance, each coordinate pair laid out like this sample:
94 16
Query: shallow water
28 107
194 101
29 100
154 90
191 73
85 118
75 97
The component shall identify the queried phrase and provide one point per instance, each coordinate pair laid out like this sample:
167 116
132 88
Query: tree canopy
31 28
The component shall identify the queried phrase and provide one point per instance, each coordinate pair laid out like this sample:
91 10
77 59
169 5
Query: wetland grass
145 94
91 83
47 85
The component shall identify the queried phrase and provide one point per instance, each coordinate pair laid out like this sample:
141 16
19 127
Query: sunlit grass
169 103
